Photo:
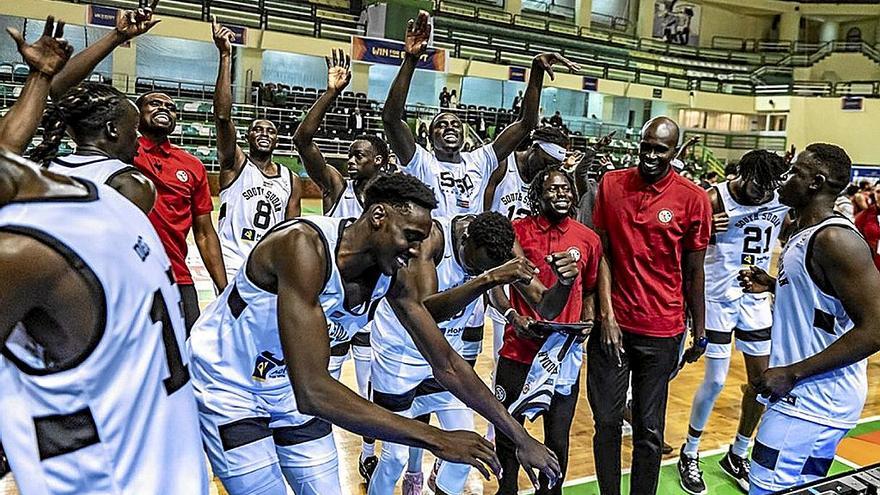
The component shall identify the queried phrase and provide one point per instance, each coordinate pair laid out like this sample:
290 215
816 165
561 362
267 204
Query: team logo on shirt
182 176
142 249
574 253
267 362
665 216
500 394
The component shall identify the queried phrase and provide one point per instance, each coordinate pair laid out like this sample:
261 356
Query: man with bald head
654 226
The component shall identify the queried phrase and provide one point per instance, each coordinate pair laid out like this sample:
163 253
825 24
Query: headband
554 150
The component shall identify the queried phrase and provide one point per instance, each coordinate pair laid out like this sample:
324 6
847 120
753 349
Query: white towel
555 369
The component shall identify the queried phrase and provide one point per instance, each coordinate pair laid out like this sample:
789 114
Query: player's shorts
472 336
791 451
360 346
243 431
749 318
339 354
408 390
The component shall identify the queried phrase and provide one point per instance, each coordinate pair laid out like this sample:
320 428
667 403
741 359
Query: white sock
367 450
692 446
740 446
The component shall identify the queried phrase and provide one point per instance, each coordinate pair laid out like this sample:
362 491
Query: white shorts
408 390
791 451
749 318
244 431
472 336
360 346
339 354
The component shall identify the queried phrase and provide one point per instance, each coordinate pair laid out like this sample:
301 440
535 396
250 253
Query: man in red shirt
654 226
547 235
183 199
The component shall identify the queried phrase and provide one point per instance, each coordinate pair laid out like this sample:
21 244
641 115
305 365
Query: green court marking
717 482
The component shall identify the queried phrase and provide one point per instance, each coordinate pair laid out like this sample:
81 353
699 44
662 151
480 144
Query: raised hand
223 36
466 447
516 270
754 280
47 55
789 155
536 458
131 23
338 70
546 61
418 32
564 265
604 140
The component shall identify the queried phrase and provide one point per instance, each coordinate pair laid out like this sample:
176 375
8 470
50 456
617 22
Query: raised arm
229 154
455 374
506 142
129 23
840 256
45 58
326 177
304 338
294 204
400 137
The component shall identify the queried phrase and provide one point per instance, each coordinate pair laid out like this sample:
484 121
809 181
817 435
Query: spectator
864 198
517 102
844 203
356 123
654 226
556 120
709 180
588 172
267 94
730 171
482 127
444 98
453 99
869 226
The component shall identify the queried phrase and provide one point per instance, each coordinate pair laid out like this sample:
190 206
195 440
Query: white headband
554 150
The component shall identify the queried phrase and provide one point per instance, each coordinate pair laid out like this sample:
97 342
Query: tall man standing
654 226
826 323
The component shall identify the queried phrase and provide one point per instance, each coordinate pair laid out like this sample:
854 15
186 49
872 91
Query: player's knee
394 457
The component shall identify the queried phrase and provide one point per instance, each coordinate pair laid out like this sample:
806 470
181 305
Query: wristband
507 313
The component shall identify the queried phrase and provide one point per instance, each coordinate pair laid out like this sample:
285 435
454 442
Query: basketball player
96 393
458 177
103 123
344 198
45 58
826 323
463 257
255 192
747 220
255 427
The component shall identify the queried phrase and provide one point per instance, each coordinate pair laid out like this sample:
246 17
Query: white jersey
98 169
458 187
121 417
748 241
251 205
806 321
348 205
236 341
512 193
388 335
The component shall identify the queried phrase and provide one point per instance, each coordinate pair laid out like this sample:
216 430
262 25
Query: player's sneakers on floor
4 464
737 468
690 475
413 483
366 466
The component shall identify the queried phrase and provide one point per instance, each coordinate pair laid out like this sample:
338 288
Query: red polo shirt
538 238
182 193
649 226
868 224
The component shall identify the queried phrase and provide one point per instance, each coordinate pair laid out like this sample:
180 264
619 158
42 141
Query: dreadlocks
85 109
536 188
763 168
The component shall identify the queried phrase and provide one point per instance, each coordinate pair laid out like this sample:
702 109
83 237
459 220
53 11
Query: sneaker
413 483
737 468
667 449
4 464
690 475
432 480
366 466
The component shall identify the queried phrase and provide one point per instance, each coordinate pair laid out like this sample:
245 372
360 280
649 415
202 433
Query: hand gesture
612 339
338 70
564 265
131 23
223 36
693 353
775 383
47 55
535 458
720 222
604 140
546 61
516 270
754 280
466 447
418 32
789 155
522 327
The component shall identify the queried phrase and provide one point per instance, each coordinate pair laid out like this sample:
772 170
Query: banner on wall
97 15
389 52
516 74
677 22
852 103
